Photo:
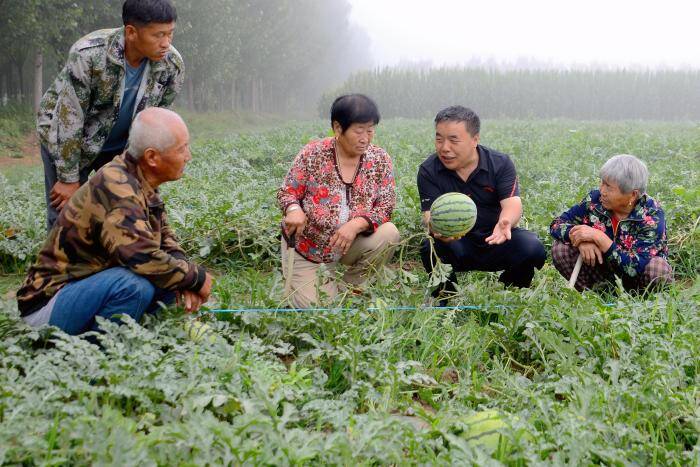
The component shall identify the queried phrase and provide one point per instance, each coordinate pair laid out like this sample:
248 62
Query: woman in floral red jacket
337 201
619 230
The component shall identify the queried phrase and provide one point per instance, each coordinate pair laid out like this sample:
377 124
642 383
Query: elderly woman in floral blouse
337 201
618 230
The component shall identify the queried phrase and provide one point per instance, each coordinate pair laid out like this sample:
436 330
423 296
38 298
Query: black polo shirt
493 180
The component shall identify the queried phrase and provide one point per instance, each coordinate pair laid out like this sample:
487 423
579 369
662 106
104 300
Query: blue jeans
115 291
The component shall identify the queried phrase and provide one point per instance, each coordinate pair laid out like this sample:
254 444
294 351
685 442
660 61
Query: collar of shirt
637 214
151 194
482 166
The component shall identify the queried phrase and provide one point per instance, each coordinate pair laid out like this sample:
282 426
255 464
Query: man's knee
131 285
531 250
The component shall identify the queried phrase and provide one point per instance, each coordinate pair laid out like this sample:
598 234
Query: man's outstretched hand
501 233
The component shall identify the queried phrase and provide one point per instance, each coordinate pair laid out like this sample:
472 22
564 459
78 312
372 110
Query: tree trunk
190 94
233 94
38 80
20 87
3 87
254 95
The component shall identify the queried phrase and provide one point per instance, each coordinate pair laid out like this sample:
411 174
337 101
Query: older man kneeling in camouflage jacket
111 250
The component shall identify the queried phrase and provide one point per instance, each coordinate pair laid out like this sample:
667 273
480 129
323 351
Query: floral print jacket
314 182
639 238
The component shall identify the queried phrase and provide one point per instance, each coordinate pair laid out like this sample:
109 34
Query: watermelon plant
538 376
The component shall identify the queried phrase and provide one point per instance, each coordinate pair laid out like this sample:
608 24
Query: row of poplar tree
512 93
274 56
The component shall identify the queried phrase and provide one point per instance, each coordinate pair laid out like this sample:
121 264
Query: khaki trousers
310 280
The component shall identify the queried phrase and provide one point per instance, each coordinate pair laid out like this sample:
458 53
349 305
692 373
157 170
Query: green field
579 378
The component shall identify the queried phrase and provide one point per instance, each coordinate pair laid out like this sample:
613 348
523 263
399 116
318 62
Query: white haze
537 33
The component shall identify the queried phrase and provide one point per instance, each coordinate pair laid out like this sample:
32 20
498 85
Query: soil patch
27 156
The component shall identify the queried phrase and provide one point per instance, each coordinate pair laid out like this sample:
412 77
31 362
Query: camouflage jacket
116 219
80 108
638 238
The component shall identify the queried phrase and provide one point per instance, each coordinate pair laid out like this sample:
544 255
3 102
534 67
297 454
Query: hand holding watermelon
428 225
443 238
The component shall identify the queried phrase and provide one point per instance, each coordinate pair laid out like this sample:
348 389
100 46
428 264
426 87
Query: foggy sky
581 33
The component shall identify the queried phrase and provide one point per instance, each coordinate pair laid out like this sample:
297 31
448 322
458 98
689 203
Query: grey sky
607 33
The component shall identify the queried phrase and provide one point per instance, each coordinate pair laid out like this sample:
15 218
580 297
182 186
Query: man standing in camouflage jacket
111 250
110 76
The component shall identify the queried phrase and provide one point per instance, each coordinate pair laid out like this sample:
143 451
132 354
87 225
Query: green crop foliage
579 378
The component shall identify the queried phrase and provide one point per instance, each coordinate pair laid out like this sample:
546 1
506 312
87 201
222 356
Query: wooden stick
574 273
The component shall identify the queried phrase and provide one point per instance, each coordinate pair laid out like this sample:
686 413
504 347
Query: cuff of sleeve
371 226
609 251
69 177
285 206
199 280
178 255
565 237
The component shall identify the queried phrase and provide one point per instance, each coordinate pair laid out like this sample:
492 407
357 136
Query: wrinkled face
614 199
152 40
455 147
356 139
170 164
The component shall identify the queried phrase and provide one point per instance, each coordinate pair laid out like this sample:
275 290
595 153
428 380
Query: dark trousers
50 179
517 258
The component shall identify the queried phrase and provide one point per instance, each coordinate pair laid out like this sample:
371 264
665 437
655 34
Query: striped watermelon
483 429
452 214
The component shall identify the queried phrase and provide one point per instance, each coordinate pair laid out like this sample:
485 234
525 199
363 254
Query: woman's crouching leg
308 282
564 256
657 273
368 254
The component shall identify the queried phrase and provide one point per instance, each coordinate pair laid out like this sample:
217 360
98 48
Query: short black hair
458 113
142 12
353 108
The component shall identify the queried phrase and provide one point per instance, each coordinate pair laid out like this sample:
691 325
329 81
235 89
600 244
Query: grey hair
628 172
149 133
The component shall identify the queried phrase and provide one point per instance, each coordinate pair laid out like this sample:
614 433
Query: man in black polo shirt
462 165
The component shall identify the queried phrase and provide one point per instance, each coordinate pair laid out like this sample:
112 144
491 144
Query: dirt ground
29 154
